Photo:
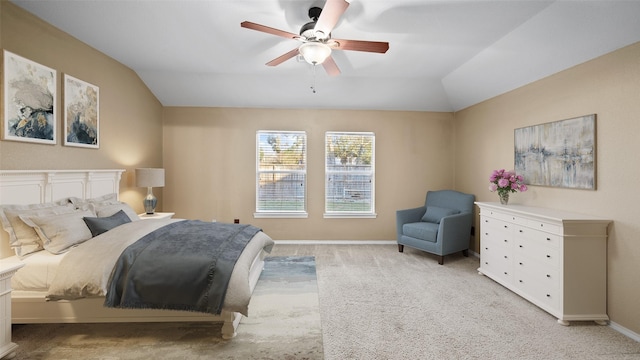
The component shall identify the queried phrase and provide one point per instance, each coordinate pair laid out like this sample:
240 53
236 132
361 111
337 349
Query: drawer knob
486 248
506 227
520 245
548 256
548 239
486 263
541 225
505 240
520 230
505 256
520 263
548 275
506 273
548 295
520 281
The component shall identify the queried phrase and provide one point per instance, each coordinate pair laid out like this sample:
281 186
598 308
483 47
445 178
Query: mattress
38 272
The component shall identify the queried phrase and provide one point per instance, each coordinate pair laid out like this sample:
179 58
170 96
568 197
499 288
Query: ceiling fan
315 36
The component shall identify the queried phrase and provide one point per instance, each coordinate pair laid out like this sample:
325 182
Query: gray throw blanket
185 265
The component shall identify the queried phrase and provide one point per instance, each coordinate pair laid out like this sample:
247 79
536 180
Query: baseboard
624 331
336 242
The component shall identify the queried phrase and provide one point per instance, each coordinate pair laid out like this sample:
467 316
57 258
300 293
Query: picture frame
81 113
29 101
558 154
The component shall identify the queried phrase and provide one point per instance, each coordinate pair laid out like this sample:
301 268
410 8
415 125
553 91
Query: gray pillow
435 213
98 225
105 210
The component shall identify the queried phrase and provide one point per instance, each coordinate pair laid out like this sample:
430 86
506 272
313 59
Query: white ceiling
443 55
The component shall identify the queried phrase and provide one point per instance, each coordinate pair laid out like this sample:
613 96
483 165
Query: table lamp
150 178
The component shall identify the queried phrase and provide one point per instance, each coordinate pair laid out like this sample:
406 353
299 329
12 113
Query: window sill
350 216
281 215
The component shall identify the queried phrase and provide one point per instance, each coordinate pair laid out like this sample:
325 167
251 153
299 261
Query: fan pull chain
313 78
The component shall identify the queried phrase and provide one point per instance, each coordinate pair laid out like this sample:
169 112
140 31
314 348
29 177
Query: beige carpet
377 303
283 323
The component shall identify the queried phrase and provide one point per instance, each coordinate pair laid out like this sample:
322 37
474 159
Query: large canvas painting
29 101
558 154
81 113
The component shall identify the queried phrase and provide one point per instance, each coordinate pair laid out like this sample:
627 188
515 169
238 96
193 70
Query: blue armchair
441 227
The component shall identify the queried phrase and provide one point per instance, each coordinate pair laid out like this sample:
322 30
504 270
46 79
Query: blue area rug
284 313
283 323
288 274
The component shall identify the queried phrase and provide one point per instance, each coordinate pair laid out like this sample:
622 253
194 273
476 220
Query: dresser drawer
544 226
511 218
497 267
538 291
537 237
548 276
545 255
497 230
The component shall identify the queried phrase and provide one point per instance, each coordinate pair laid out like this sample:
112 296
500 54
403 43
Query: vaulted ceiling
443 55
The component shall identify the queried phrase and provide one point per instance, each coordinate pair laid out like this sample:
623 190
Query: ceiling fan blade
360 45
282 58
268 30
329 16
331 67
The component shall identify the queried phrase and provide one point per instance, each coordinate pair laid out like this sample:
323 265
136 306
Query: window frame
261 213
371 213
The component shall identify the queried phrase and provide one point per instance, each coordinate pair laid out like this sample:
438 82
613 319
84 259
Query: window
281 174
349 174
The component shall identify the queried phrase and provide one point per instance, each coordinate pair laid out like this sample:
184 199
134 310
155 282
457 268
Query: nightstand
7 348
157 215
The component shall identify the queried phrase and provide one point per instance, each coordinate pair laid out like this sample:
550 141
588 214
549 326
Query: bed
40 293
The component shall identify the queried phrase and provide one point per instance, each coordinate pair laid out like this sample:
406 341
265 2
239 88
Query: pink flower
506 181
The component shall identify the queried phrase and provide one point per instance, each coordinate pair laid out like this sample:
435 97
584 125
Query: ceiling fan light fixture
314 53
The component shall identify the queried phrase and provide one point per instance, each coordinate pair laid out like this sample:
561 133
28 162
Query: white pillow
104 199
23 238
60 232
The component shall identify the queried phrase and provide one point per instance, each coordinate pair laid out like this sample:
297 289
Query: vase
504 198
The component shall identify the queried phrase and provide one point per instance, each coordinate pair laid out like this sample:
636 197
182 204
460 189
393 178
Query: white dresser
7 269
557 260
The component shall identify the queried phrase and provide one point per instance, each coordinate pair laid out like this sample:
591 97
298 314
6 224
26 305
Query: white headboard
22 187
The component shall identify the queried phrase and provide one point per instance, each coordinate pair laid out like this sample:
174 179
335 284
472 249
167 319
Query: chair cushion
421 230
435 213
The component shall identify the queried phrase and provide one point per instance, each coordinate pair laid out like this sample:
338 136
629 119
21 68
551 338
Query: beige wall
210 160
608 86
130 116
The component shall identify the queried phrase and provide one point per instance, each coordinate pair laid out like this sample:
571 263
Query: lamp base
150 202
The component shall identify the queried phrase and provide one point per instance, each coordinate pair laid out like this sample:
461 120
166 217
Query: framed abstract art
81 113
29 101
558 154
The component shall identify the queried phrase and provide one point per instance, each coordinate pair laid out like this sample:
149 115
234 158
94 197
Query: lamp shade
149 177
314 52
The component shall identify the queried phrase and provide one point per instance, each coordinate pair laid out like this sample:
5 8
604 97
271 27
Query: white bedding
38 272
62 280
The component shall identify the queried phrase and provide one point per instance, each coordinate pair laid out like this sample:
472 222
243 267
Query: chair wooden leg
400 248
441 260
465 252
